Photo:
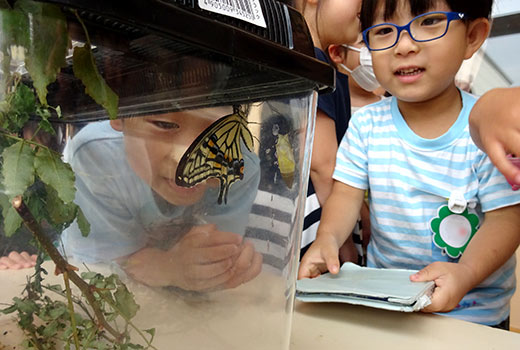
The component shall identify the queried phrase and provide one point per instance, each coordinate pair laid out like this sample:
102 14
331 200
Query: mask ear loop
348 47
345 68
351 48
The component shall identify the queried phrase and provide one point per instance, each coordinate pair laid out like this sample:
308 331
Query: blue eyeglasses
426 27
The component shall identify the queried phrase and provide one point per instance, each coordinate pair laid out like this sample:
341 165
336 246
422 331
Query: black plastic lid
142 45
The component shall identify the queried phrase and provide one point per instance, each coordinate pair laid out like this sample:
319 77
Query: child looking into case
437 203
162 234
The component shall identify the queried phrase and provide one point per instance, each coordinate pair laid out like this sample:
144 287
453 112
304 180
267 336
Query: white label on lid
246 10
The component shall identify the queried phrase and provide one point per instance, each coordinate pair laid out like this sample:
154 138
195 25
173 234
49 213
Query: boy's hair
473 9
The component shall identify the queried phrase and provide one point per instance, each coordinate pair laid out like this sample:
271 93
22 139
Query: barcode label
246 10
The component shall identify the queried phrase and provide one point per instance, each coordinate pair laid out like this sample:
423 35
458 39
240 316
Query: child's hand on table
452 282
322 256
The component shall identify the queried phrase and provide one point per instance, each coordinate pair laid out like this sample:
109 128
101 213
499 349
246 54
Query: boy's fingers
208 235
254 269
245 259
209 271
5 263
16 257
209 255
212 283
27 257
28 260
308 270
331 259
429 273
9 263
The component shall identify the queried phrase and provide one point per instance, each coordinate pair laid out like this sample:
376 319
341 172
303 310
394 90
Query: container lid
161 56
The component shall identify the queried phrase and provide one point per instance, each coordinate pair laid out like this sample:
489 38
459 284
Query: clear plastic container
189 135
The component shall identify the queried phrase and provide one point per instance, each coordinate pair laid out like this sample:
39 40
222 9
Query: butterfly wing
216 153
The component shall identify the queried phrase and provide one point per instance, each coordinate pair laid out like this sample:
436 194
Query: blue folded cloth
389 289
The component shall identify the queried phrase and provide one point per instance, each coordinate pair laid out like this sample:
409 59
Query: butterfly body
285 157
217 153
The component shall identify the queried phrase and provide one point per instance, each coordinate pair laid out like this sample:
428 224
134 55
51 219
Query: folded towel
389 289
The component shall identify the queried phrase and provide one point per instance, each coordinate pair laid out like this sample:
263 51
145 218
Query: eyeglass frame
450 16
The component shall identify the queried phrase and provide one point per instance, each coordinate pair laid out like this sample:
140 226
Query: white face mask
363 74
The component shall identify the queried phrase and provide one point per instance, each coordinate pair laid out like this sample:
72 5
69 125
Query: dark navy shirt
335 105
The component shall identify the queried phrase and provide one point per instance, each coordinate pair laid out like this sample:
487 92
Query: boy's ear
336 54
117 124
477 33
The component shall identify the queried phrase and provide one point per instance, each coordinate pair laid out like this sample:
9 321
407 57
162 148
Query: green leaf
48 46
51 330
60 213
18 168
55 287
125 302
15 33
26 306
12 221
55 173
34 198
23 105
57 311
44 123
95 86
9 310
26 320
88 275
83 224
150 331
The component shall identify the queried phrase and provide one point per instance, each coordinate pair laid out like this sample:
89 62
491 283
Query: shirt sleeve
351 159
103 196
494 191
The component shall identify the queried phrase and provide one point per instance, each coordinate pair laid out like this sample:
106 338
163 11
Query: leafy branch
37 188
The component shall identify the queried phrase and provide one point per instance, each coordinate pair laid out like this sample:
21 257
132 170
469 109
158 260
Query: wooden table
327 327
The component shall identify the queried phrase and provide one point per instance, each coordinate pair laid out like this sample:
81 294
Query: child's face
155 144
420 71
338 21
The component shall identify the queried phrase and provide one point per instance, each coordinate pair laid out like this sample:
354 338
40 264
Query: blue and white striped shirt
409 178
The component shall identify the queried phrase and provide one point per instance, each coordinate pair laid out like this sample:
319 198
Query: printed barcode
247 10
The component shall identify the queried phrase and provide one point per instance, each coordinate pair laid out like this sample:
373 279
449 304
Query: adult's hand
495 128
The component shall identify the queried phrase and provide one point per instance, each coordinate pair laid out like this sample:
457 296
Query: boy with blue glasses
437 203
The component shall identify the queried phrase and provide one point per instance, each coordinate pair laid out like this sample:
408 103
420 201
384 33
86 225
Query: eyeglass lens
423 28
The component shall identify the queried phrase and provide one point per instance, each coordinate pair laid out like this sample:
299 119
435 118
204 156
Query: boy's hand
452 282
204 259
322 256
246 267
17 261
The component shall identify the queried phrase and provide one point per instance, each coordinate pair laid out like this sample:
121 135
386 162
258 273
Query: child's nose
405 44
181 143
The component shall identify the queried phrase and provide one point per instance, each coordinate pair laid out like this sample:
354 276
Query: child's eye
383 31
164 125
431 21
